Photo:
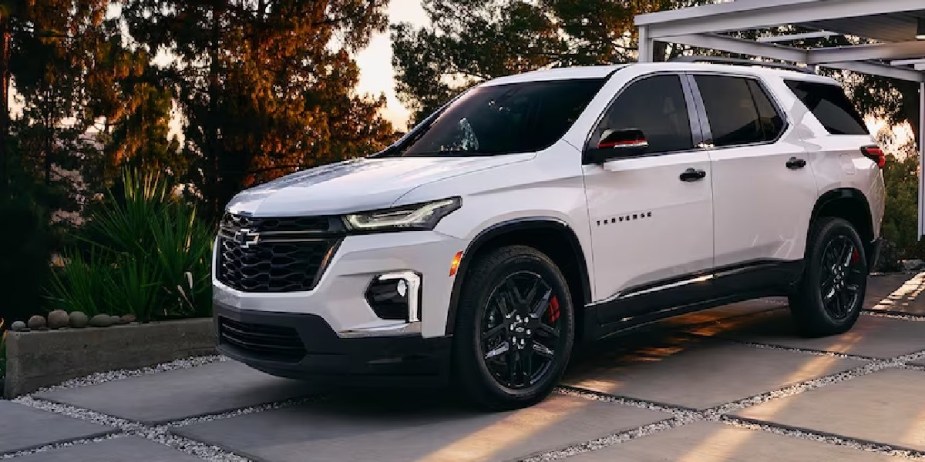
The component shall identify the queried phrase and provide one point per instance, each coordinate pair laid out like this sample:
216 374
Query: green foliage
266 87
900 219
471 41
148 254
80 285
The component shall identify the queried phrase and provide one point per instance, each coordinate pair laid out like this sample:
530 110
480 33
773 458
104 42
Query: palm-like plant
149 255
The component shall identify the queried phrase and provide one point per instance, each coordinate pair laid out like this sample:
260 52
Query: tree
132 110
470 41
266 86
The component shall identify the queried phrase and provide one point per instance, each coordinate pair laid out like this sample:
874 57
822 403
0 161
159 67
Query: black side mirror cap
617 143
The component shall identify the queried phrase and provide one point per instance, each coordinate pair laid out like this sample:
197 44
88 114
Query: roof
599 72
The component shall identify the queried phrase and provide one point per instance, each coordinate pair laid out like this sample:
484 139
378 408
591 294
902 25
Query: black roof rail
741 62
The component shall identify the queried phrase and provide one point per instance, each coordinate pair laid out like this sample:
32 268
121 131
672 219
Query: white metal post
921 160
645 45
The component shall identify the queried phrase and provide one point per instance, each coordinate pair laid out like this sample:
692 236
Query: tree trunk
212 162
5 38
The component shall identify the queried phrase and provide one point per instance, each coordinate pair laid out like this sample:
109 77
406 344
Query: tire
831 292
499 378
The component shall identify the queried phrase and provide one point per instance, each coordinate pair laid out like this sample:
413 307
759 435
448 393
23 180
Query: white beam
711 10
881 51
746 47
754 14
646 48
879 69
919 67
907 62
795 37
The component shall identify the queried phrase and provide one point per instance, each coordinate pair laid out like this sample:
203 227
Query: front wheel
514 330
829 296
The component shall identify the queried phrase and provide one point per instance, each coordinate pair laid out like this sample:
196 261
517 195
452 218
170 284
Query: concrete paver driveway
730 384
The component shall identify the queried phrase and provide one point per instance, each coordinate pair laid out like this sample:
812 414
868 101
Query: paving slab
735 310
897 293
182 393
715 442
23 427
884 407
698 374
416 427
872 336
119 449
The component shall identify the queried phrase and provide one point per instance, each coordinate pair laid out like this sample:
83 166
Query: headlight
407 217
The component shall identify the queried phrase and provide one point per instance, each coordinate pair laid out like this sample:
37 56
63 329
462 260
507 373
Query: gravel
159 433
893 315
103 377
826 438
50 447
682 416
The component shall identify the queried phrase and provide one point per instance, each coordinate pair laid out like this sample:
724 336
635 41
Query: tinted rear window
505 119
830 106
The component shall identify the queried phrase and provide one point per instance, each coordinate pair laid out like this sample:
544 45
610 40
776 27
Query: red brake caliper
553 310
855 256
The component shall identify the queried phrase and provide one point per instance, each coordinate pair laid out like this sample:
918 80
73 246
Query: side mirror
618 143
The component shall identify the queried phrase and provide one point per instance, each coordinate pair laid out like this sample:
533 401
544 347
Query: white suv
541 210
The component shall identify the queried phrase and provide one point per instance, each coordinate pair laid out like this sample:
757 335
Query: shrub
146 253
24 265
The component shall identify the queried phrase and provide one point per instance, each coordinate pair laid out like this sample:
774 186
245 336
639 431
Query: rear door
651 225
763 190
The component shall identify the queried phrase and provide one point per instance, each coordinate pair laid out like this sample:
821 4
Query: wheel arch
850 204
541 233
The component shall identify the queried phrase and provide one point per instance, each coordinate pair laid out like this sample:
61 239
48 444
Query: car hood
355 185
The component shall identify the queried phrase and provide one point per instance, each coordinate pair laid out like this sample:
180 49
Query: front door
652 213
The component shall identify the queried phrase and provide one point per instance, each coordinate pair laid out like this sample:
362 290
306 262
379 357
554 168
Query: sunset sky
376 75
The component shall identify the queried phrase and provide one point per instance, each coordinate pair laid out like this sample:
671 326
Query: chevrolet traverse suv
541 210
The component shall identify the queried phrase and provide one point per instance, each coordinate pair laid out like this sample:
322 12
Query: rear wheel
829 297
515 328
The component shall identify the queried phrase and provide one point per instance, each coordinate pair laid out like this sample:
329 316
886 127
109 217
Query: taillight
875 154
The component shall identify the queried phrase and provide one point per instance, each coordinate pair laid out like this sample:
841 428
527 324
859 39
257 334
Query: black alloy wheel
514 328
841 278
519 330
828 298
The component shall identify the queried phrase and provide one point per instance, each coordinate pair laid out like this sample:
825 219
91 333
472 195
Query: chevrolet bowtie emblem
246 238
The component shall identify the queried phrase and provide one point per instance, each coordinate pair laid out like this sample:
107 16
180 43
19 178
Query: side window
772 124
656 106
739 110
830 105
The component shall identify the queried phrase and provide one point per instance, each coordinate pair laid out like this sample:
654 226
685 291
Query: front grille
264 341
275 254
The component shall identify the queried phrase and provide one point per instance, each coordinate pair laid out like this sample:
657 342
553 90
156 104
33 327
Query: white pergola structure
892 24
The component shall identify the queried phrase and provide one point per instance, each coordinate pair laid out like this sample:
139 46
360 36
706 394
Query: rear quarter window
830 106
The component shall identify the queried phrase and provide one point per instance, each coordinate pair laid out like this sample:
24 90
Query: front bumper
339 298
304 346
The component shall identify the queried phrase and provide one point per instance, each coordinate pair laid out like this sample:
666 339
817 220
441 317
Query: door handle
794 163
691 174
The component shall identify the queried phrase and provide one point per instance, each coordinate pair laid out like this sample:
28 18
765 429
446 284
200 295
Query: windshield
504 119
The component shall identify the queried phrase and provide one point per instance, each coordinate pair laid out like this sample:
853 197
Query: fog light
396 296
